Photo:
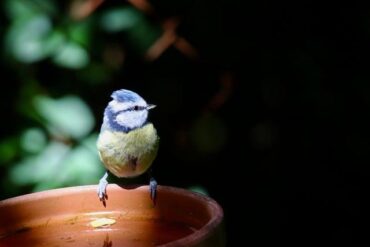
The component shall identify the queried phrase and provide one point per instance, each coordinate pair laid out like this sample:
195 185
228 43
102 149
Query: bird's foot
153 189
102 187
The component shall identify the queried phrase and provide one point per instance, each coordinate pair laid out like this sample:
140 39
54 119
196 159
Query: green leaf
33 140
8 150
59 165
41 167
16 9
19 9
67 116
80 32
32 39
82 165
25 38
119 19
71 55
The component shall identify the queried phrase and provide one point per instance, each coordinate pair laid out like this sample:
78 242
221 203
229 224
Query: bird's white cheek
132 119
124 119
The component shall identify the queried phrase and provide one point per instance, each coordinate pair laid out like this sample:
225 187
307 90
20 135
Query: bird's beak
149 106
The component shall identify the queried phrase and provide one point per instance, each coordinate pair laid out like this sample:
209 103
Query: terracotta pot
64 217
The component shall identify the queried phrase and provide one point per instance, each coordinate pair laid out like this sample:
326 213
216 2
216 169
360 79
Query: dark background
270 116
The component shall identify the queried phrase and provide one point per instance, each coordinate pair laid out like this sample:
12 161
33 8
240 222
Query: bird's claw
102 187
153 190
102 190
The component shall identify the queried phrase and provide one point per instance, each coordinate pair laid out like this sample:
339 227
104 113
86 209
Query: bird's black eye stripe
137 108
133 108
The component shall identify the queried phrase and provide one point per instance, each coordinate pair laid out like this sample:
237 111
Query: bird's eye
136 108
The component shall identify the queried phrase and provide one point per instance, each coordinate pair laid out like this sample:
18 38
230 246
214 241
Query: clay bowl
75 217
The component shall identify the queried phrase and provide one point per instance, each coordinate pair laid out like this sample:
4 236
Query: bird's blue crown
124 95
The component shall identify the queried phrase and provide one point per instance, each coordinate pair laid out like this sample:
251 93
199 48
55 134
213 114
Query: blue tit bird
127 142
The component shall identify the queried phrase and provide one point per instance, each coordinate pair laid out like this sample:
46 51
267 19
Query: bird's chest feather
119 150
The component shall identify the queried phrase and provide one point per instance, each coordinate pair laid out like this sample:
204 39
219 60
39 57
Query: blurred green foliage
120 19
60 151
58 61
55 144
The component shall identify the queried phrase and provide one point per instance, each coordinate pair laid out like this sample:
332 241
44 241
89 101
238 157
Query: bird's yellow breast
128 154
